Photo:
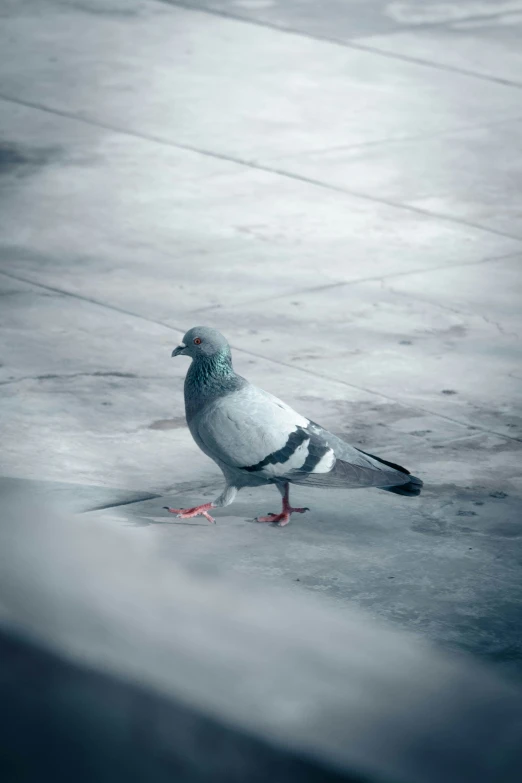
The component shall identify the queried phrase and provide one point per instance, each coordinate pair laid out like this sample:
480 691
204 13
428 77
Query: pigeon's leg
284 517
225 499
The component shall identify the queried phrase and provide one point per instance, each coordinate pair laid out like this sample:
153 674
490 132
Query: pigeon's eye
197 340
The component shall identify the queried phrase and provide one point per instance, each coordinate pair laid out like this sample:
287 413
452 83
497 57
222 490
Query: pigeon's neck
207 378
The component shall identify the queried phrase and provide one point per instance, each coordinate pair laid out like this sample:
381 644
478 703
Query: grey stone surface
157 230
197 661
438 174
481 37
485 44
333 19
446 566
172 74
73 498
346 20
393 337
352 225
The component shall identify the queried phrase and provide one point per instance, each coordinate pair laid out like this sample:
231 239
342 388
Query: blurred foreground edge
64 722
117 664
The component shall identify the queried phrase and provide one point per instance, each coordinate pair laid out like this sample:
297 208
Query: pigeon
257 439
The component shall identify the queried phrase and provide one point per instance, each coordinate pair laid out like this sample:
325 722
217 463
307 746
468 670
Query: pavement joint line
353 43
387 202
444 23
104 506
437 66
304 370
95 374
262 167
460 129
373 279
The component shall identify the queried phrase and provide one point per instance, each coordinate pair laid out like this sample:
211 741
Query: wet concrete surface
347 215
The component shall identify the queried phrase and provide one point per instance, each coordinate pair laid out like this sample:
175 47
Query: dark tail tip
411 489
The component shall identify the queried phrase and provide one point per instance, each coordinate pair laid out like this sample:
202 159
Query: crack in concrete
96 374
448 308
499 327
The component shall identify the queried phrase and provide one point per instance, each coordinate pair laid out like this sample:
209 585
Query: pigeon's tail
411 489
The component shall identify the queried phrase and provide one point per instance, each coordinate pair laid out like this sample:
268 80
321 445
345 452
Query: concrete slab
83 389
396 339
333 19
159 231
446 565
345 20
483 43
490 291
189 673
51 336
227 86
438 174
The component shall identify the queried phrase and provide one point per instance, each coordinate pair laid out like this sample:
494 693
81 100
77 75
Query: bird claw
283 518
188 513
279 519
270 517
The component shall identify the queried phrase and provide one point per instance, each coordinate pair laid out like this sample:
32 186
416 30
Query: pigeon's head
202 342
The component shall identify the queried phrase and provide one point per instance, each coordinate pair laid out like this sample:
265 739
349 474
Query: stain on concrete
22 160
168 424
472 443
305 357
118 10
430 526
453 331
506 529
70 376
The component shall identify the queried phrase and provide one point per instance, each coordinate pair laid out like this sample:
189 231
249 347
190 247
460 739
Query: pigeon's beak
179 350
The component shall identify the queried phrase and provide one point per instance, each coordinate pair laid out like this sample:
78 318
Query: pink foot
187 513
283 518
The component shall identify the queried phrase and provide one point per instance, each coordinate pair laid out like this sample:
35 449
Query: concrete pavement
338 191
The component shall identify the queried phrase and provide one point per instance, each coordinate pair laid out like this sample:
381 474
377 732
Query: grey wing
252 432
353 467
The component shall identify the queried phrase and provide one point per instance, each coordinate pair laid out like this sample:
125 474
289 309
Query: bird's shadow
160 521
256 521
